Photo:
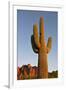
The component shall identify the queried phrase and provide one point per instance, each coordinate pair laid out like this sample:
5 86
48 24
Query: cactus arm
49 44
36 37
42 31
35 49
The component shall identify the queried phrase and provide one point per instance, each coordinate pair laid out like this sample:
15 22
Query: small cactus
39 46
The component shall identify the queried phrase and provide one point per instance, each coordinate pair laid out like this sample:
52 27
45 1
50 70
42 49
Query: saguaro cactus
39 46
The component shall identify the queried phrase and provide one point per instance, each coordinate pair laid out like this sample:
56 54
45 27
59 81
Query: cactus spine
39 46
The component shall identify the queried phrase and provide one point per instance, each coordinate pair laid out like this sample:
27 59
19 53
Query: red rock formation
31 72
18 73
27 72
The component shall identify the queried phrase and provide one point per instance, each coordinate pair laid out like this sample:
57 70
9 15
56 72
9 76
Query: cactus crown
38 40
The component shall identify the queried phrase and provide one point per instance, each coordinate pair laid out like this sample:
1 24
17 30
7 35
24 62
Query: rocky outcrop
27 72
31 72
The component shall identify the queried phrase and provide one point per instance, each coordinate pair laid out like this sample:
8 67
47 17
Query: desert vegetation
39 46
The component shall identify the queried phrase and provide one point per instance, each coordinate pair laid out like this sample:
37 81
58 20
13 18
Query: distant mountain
31 72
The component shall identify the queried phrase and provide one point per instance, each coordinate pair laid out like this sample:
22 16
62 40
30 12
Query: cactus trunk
42 60
42 64
39 45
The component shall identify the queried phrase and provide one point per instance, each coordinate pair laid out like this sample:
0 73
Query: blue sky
25 21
